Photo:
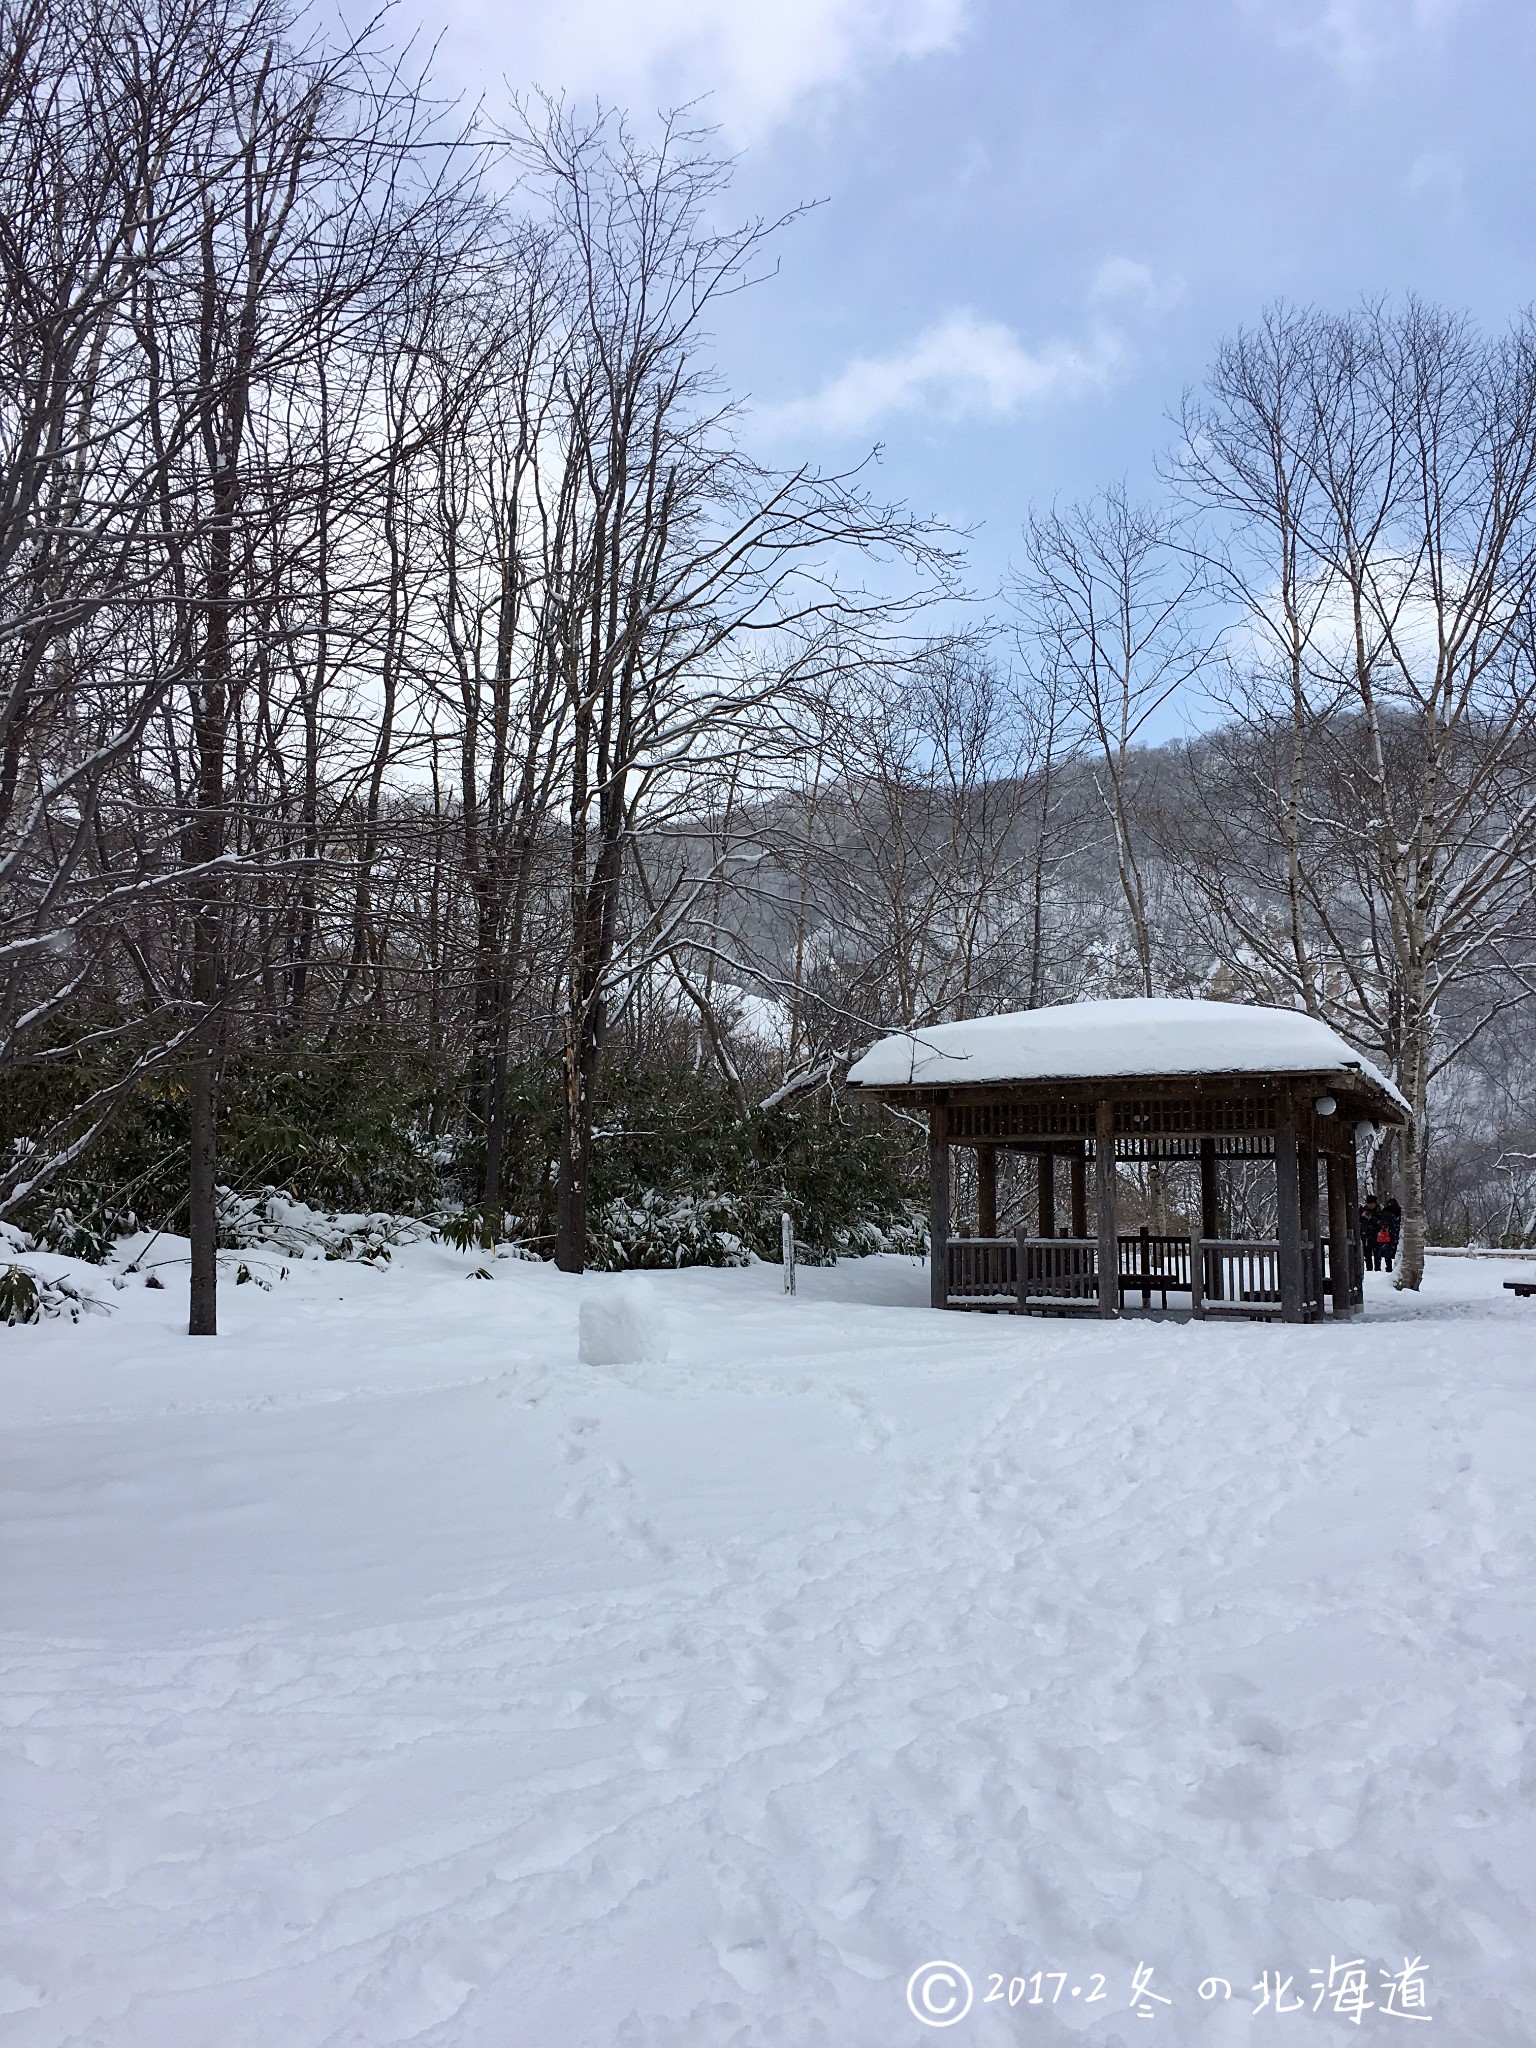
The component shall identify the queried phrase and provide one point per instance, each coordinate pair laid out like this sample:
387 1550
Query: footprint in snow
661 1742
572 1449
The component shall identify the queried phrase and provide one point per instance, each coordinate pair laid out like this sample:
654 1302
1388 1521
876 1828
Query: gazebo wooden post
938 1207
1079 1166
1311 1230
1210 1215
1196 1283
986 1191
1108 1223
1045 1163
1352 1219
1339 1261
1288 1204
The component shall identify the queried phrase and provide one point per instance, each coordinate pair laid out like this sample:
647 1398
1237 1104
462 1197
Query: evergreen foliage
336 1129
680 1175
20 1296
24 1298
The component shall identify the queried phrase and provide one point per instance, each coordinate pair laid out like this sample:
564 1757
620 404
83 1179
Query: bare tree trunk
203 1315
1413 1075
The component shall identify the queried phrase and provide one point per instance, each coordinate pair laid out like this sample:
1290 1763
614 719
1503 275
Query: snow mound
623 1323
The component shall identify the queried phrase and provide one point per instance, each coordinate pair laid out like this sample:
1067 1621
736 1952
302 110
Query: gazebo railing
1058 1272
982 1269
1022 1272
1235 1276
1154 1264
1240 1276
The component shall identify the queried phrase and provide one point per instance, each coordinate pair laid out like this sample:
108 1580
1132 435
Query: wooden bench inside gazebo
1102 1085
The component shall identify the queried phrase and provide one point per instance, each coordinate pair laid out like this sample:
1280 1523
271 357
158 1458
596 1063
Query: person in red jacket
1374 1235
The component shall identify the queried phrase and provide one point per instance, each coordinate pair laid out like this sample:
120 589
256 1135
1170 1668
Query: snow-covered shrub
25 1297
679 1175
622 1322
88 1232
653 1230
355 1146
482 1230
668 1230
273 1220
20 1296
905 1233
471 1230
342 1128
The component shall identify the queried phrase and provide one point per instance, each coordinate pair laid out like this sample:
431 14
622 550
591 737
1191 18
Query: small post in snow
787 1246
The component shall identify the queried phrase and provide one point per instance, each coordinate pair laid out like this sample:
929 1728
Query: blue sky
1041 215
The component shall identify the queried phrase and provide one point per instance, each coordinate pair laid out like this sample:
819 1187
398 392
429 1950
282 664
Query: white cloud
758 60
1435 174
965 367
1354 36
1396 589
1118 277
1120 281
961 368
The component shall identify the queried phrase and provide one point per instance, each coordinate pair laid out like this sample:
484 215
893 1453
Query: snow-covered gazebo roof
1162 1037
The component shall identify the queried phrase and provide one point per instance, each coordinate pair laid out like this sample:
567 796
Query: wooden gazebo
1108 1083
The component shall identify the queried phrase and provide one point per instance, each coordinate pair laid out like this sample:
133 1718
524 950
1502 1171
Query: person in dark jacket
1392 1219
1370 1233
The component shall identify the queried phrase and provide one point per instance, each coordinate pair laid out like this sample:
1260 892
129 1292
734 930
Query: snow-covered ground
378 1673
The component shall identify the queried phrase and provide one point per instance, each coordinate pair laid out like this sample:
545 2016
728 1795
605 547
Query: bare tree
1107 598
108 122
924 857
311 228
666 548
500 708
1377 477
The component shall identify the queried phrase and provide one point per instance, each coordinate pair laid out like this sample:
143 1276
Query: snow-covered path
378 1674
